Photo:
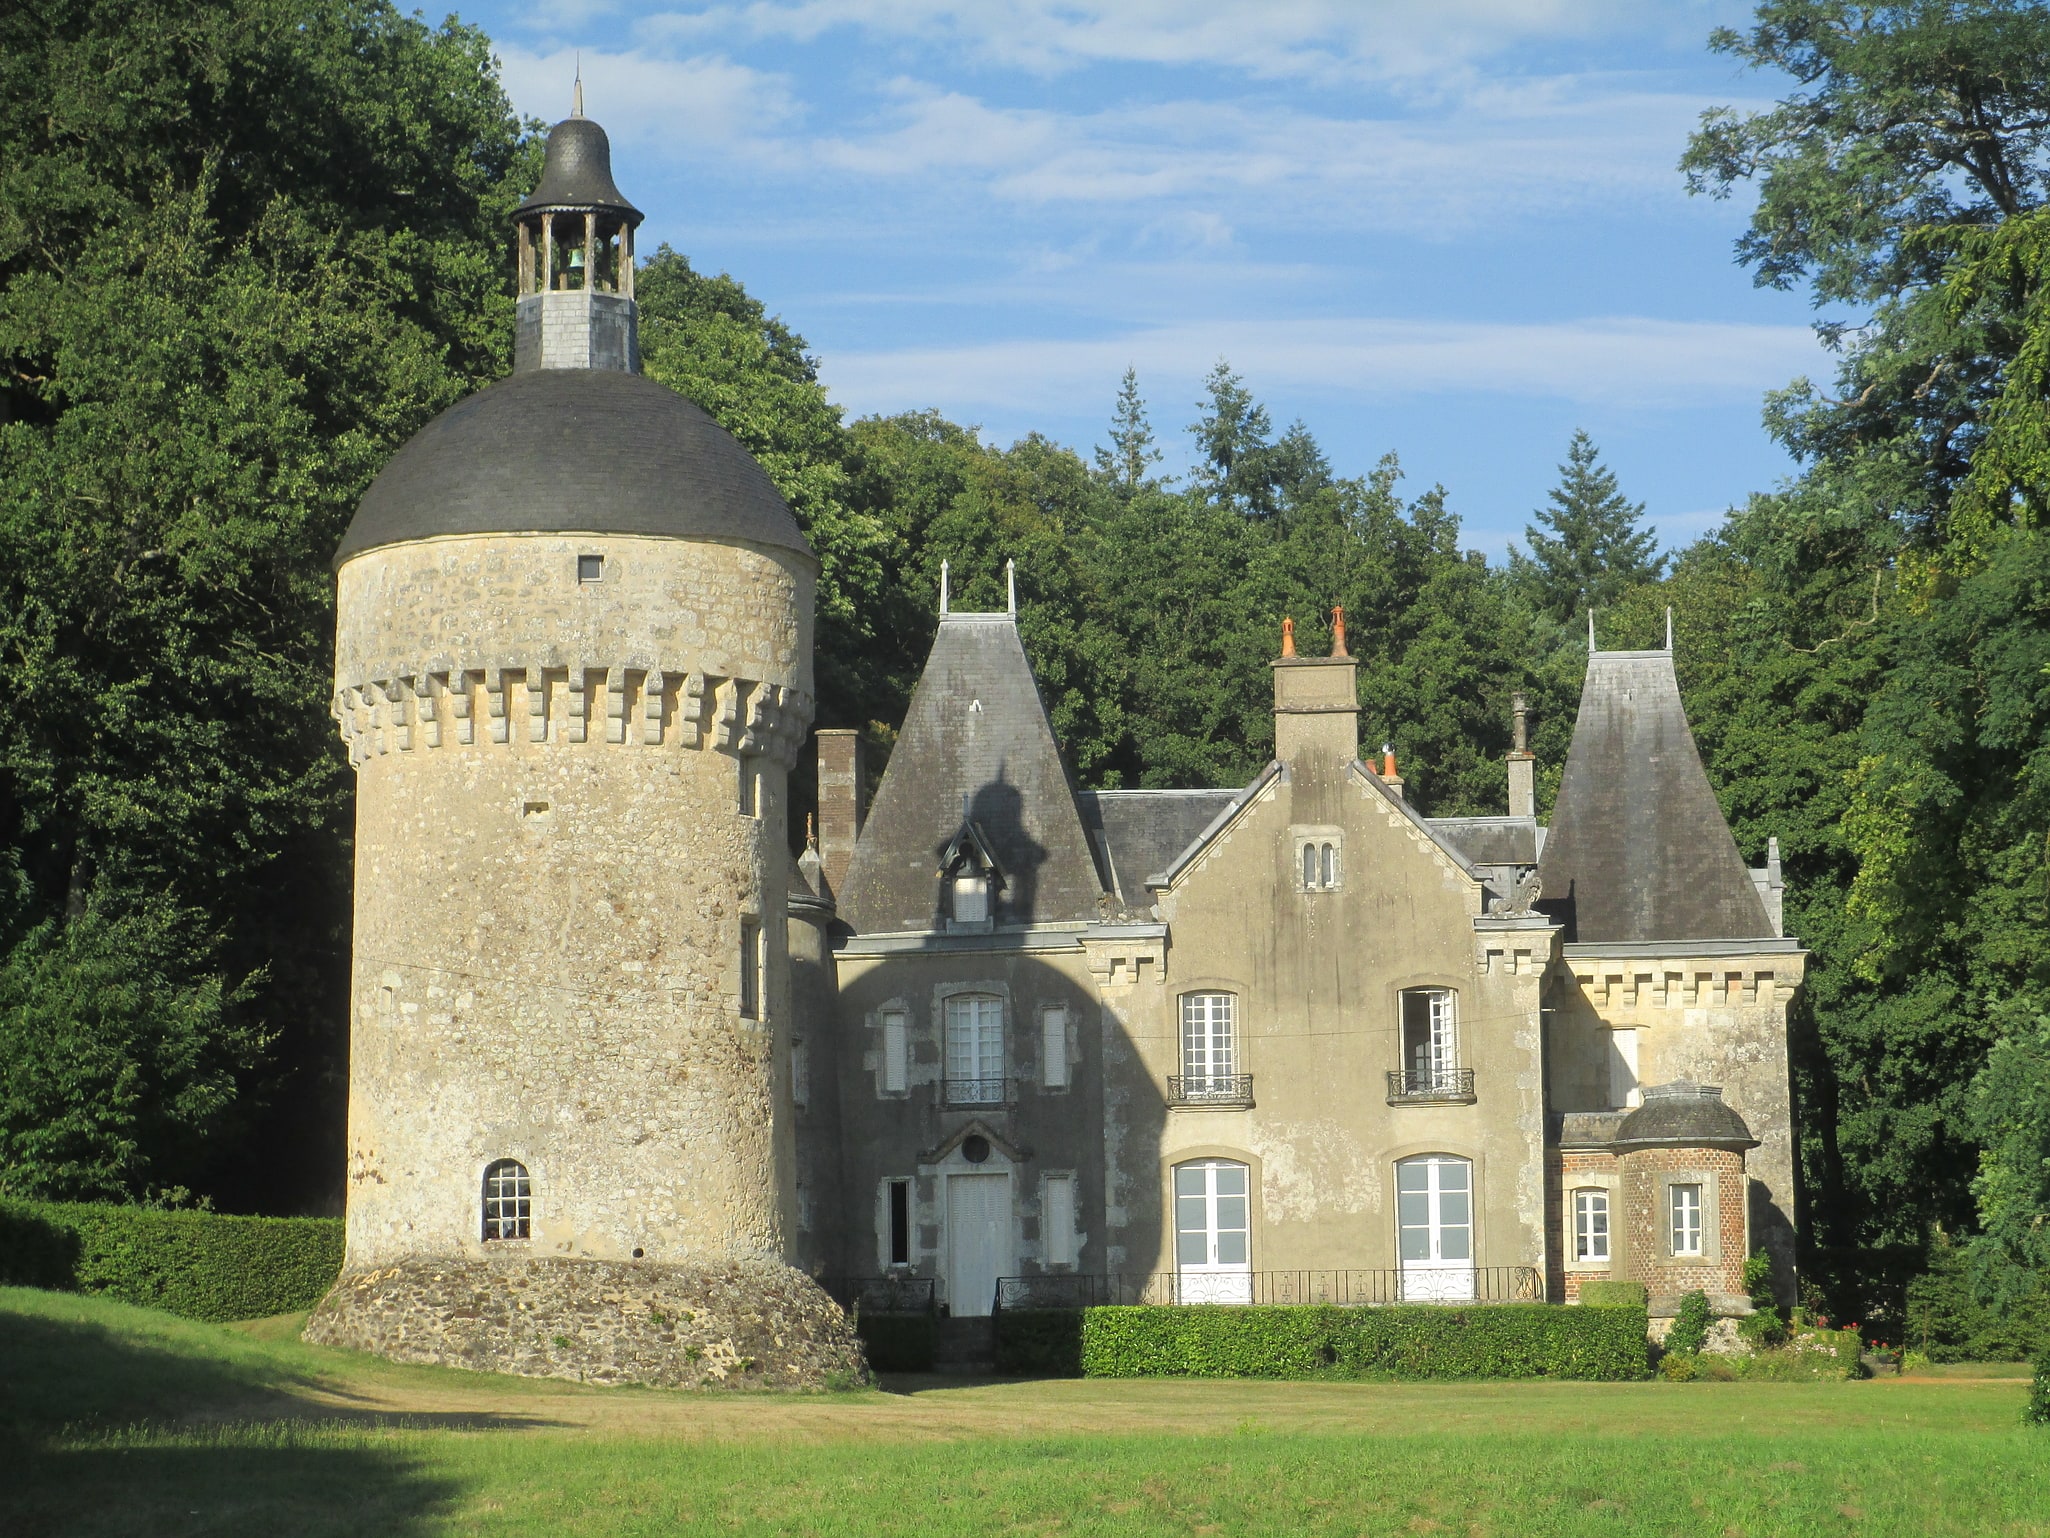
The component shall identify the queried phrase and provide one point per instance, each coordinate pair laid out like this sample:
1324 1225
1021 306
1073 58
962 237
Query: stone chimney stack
1389 777
1522 762
843 797
1316 701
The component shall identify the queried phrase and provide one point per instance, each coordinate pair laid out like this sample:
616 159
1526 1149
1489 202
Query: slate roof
1683 1115
1638 850
577 172
586 451
1489 840
975 728
1145 830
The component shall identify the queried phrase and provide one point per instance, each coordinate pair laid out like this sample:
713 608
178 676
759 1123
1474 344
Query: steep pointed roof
1638 850
975 728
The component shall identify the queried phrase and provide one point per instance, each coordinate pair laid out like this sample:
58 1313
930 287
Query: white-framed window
971 898
896 1075
800 1073
1053 1046
1213 1232
975 1049
1591 1225
753 956
1683 1206
1430 1040
1057 1219
1624 1092
750 785
508 1201
1209 1042
590 568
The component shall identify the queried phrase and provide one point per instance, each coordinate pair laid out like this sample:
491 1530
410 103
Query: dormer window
969 879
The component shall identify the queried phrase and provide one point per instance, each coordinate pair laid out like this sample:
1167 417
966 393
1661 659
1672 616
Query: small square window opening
590 568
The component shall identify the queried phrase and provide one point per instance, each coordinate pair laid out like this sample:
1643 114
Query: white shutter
896 1053
1053 1047
1623 1090
1057 1220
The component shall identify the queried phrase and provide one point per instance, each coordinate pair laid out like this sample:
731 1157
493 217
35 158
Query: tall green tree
1598 548
246 249
1127 463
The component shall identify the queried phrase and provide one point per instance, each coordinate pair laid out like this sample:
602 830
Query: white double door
1213 1239
1434 1217
978 1241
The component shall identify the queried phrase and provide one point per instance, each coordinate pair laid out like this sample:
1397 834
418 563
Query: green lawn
121 1421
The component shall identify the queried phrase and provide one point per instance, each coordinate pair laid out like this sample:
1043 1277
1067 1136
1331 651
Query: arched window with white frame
508 1201
1434 1228
1213 1239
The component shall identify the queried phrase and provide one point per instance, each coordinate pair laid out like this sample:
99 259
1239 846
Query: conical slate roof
1639 851
976 729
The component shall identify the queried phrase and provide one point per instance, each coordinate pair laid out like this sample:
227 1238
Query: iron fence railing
883 1294
1229 1089
1435 1084
1432 1284
967 1092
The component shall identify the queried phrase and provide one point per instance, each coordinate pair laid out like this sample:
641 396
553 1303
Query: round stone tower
573 666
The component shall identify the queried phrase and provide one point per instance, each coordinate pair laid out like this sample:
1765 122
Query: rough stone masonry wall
739 1325
552 872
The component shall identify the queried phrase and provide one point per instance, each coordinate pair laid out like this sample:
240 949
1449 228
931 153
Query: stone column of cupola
568 315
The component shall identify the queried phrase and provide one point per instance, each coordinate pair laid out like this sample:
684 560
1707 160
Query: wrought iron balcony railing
903 1294
1440 1086
975 1091
1213 1089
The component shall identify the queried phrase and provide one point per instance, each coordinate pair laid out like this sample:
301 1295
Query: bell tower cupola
576 245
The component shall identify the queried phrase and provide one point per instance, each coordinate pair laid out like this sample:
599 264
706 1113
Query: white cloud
1419 44
677 105
1615 362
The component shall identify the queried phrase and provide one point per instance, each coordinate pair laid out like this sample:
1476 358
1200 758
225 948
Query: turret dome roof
584 451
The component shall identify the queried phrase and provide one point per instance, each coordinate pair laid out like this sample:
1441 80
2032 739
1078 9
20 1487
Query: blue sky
1451 228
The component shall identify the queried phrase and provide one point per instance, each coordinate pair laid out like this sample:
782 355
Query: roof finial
1287 637
1590 630
1011 584
1669 630
943 590
1338 633
576 95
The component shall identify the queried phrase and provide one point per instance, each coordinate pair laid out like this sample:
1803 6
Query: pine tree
1596 552
1236 437
1127 463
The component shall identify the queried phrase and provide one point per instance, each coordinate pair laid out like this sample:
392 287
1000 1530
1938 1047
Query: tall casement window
1591 1226
1213 1232
1430 1041
1210 1056
1320 863
897 1223
971 898
752 957
1057 1219
1623 1088
1434 1227
1683 1205
896 1065
508 1201
975 1049
1053 1046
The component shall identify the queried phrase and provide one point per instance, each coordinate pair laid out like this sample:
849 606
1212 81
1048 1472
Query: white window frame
1057 1219
1209 1040
972 1048
894 1077
508 1201
1687 1199
1054 1067
1625 1088
1592 1236
1223 1272
969 899
1432 1064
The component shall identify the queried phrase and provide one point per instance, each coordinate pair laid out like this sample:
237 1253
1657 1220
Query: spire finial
1669 629
576 95
943 590
1590 630
1011 585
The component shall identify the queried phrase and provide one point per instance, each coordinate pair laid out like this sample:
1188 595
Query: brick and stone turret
573 667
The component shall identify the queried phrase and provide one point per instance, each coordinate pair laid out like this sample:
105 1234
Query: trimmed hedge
898 1342
201 1265
1612 1295
1040 1342
1500 1340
